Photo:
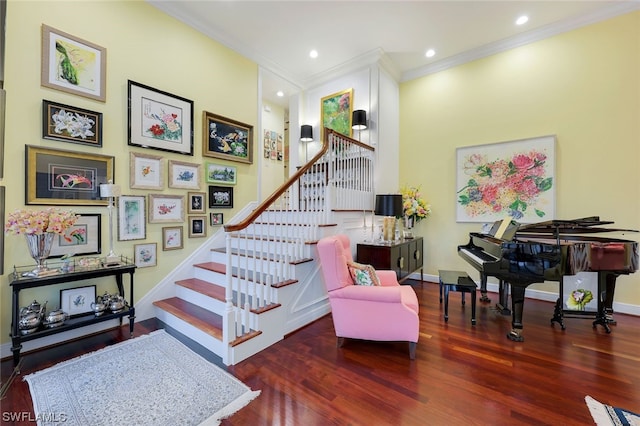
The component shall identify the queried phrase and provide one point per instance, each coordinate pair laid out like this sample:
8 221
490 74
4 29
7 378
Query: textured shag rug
150 380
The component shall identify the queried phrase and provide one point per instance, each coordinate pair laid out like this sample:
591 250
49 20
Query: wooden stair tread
212 266
202 319
204 287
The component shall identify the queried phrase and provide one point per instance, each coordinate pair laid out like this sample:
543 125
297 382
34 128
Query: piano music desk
457 281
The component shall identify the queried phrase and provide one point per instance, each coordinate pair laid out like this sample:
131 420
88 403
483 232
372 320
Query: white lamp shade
109 190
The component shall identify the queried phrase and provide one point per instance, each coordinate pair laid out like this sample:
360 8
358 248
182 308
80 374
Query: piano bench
457 281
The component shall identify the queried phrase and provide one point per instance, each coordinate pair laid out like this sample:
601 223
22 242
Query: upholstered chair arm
368 293
387 278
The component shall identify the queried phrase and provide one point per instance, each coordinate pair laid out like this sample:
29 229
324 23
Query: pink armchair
388 312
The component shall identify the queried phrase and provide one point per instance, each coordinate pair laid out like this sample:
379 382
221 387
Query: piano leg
517 305
483 288
558 314
503 298
606 290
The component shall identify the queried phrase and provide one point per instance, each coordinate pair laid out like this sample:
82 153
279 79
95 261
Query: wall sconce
359 121
110 191
306 135
389 206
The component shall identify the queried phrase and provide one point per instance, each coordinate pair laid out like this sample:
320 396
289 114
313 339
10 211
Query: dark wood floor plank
462 375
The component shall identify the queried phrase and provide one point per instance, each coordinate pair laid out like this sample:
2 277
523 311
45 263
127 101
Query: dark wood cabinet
404 257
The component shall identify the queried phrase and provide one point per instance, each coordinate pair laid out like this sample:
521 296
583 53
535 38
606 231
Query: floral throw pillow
363 274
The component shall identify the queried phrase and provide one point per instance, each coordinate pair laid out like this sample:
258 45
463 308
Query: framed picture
2 236
60 177
335 113
73 65
131 218
159 120
71 124
220 173
220 196
508 179
196 202
184 175
77 301
216 219
166 208
227 139
84 237
197 226
3 101
145 255
145 171
171 238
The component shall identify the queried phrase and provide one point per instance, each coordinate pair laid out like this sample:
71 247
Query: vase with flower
414 208
39 228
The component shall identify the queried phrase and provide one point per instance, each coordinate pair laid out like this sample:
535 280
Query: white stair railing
262 247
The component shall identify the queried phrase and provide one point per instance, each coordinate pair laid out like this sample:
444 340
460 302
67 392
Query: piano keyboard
479 256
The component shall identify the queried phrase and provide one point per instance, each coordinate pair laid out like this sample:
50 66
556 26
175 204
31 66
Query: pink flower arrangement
38 222
413 205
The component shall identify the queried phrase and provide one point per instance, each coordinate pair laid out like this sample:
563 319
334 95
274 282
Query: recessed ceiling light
522 20
313 54
430 53
280 93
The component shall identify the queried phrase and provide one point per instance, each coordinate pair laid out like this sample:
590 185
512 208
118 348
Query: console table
21 280
404 256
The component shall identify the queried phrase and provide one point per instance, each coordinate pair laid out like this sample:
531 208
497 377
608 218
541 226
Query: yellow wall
143 45
582 86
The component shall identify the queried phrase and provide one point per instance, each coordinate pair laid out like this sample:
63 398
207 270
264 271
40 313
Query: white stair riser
295 251
199 299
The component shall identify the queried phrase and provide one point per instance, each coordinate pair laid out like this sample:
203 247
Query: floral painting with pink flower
161 121
512 179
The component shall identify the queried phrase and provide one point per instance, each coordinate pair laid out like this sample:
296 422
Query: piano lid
585 225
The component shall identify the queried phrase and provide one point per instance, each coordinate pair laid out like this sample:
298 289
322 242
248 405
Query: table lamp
389 206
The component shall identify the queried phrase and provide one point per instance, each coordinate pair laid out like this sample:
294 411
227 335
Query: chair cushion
363 274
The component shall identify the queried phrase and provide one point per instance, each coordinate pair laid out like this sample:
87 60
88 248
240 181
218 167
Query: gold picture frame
226 139
73 65
336 110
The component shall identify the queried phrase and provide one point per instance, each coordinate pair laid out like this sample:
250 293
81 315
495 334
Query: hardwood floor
462 375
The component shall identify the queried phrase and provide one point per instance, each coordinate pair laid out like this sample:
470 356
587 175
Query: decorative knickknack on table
39 228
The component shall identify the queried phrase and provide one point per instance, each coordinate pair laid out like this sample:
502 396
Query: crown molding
523 39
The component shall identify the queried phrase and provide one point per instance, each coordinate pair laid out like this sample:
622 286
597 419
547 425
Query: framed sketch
184 175
77 301
508 179
220 196
71 124
145 171
335 111
82 238
73 65
60 177
166 208
227 139
159 120
197 226
196 202
216 219
131 218
221 173
172 238
145 255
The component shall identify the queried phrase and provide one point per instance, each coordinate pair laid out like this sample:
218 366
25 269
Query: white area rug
150 380
606 415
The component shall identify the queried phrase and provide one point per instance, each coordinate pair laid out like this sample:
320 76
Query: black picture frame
220 197
67 123
60 177
91 243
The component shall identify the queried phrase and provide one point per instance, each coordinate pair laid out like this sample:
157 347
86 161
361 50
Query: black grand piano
548 251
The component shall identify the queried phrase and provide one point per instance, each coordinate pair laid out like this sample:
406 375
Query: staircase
246 288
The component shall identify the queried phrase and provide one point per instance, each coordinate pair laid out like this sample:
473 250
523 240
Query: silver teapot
117 303
31 317
54 318
98 307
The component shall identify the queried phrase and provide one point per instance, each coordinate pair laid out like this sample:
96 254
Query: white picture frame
146 171
145 255
184 175
131 218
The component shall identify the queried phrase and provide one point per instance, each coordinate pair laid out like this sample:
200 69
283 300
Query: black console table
21 280
404 256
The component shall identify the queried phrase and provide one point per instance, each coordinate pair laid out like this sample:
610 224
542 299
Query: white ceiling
278 35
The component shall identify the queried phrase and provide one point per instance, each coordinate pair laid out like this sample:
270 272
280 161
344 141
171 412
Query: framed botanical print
59 177
196 202
73 65
172 238
131 218
335 111
71 124
145 171
197 226
145 255
216 219
82 238
159 120
77 301
220 196
166 208
227 139
221 173
184 175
